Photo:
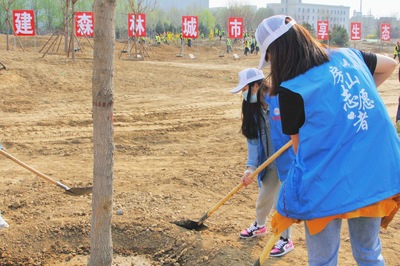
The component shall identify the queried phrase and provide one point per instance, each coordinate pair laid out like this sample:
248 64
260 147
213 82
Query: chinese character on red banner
190 26
24 22
355 31
385 32
323 30
136 26
84 24
235 28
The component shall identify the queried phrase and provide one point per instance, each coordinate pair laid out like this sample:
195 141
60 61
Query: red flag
323 30
136 25
84 24
190 27
24 22
235 28
355 31
385 32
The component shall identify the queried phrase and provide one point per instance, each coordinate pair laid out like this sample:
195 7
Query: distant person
396 51
247 44
257 48
158 39
228 45
347 162
253 44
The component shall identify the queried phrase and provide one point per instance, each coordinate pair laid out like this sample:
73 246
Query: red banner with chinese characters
385 32
323 30
235 28
355 31
190 27
84 24
136 25
24 22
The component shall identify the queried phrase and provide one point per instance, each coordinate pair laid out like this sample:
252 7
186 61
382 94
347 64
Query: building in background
311 13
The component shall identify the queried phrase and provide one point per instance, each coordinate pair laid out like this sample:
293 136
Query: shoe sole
281 254
253 236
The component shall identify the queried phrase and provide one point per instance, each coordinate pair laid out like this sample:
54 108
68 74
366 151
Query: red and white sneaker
253 231
282 247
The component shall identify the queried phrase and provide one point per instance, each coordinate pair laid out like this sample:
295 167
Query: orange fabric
387 219
386 209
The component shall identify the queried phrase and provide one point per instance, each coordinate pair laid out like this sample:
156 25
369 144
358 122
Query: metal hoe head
191 225
78 191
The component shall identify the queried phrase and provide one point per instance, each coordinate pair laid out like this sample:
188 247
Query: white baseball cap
268 31
247 76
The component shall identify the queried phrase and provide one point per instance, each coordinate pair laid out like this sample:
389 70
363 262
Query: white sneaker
282 247
3 223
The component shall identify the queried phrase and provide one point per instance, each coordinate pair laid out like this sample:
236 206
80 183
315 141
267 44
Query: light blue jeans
364 238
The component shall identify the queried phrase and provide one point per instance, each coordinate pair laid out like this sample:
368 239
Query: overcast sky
378 8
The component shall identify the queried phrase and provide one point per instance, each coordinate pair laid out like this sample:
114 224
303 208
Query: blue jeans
364 238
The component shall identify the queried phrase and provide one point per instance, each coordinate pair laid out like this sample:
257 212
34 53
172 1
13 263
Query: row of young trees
50 15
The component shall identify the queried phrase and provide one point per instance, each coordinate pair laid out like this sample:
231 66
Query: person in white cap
347 163
256 128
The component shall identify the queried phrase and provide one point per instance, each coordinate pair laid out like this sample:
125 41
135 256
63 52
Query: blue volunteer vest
284 161
349 152
265 148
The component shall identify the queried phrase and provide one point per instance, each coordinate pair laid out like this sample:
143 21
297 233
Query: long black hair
251 113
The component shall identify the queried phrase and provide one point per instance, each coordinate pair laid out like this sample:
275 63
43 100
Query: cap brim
263 63
238 88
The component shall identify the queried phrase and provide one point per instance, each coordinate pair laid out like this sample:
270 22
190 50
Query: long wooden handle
252 176
267 249
12 158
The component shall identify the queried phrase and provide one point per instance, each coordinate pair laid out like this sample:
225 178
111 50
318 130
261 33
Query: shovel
197 226
78 191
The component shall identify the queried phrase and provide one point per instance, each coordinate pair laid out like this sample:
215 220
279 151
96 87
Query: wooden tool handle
267 249
252 176
12 158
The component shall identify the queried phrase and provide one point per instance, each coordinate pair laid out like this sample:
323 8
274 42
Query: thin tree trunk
101 247
8 29
66 26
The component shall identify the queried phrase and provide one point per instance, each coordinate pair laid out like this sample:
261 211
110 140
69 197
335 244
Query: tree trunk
66 26
101 248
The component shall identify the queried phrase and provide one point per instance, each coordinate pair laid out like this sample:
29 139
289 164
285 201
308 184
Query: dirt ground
178 151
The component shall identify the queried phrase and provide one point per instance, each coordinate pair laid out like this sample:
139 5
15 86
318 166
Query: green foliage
339 36
49 16
159 28
309 27
371 36
206 21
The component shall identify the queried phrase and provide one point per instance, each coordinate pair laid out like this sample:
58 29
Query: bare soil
178 151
